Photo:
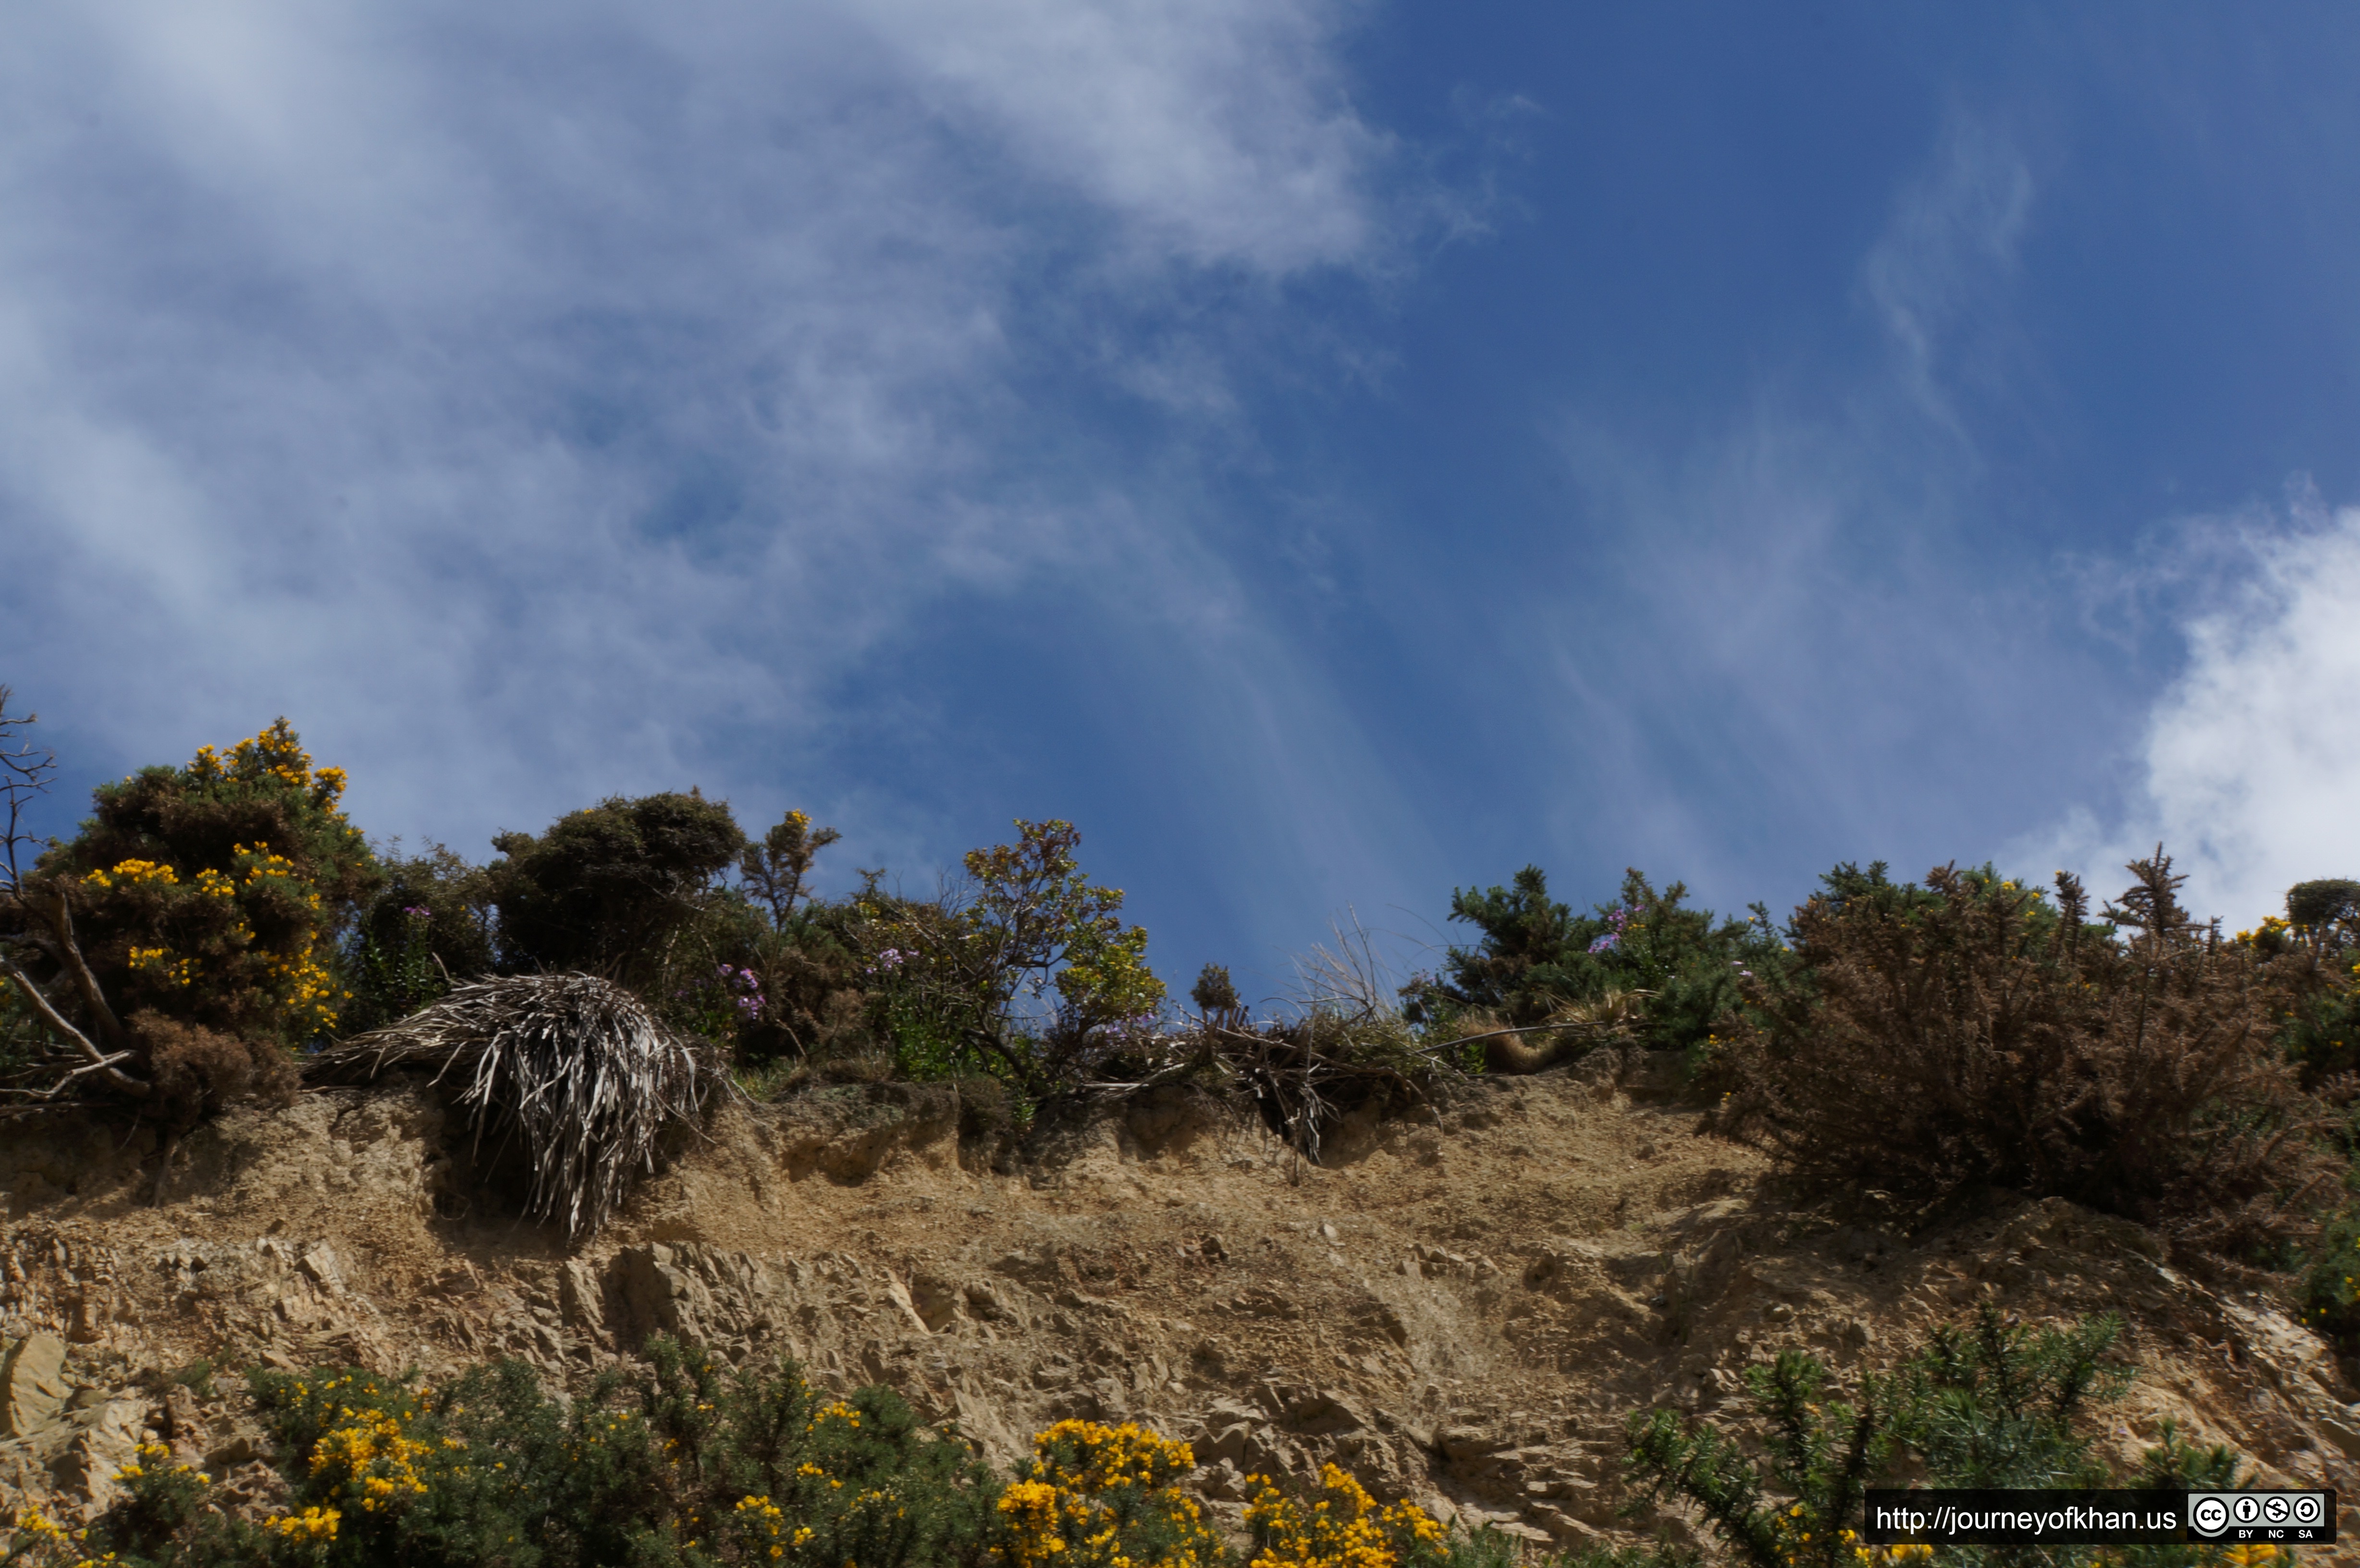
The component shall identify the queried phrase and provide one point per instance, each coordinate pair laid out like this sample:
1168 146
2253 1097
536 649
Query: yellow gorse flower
276 755
1341 1527
132 874
1102 1496
372 1457
314 1523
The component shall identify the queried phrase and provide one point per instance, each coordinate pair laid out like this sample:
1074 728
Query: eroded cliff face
1462 1307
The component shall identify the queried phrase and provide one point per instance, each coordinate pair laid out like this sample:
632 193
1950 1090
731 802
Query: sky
1333 451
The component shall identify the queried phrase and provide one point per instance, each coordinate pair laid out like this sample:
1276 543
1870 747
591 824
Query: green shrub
1790 1508
2325 912
428 927
638 890
1997 1404
1989 1403
777 869
684 1462
1536 956
1024 971
2331 1300
1932 1042
211 894
610 889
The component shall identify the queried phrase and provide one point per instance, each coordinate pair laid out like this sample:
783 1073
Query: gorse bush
610 889
1537 955
1105 1496
1341 1524
188 931
685 1462
2316 949
211 894
2331 1298
1929 1041
1988 1403
682 1462
1791 1509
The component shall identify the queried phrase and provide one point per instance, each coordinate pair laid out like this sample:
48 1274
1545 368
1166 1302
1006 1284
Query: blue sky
1332 452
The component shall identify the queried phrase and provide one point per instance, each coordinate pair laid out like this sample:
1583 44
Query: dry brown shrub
195 1068
1969 1035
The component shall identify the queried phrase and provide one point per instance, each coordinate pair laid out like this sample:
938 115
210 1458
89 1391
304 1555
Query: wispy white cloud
1950 243
1792 646
1163 112
554 398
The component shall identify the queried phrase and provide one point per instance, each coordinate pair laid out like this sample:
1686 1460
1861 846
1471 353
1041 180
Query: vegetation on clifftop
213 924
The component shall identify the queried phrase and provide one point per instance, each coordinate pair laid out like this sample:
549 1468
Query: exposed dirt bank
1462 1308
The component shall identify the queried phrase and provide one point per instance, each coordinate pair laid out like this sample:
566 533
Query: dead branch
99 1061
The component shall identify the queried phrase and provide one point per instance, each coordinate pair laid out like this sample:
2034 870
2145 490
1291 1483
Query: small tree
968 977
777 869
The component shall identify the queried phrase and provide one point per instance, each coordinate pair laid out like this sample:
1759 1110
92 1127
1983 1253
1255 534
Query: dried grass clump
576 1065
1969 1035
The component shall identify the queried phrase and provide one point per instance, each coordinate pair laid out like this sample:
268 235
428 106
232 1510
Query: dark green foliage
240 872
1024 971
1215 994
1661 1554
636 891
428 927
23 1039
1995 1404
681 1464
819 1002
1933 1041
1536 956
1989 1403
2330 1300
2325 911
1793 1508
180 949
2323 1034
778 870
610 889
2317 949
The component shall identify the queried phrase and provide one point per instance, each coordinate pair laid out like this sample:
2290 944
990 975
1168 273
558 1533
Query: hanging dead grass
575 1065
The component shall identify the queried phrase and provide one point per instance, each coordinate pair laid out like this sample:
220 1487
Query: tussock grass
575 1065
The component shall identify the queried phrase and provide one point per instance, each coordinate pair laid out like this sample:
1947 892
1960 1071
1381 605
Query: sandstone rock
32 1384
582 1300
899 1294
182 1417
107 1439
1323 1414
1460 1444
934 1299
